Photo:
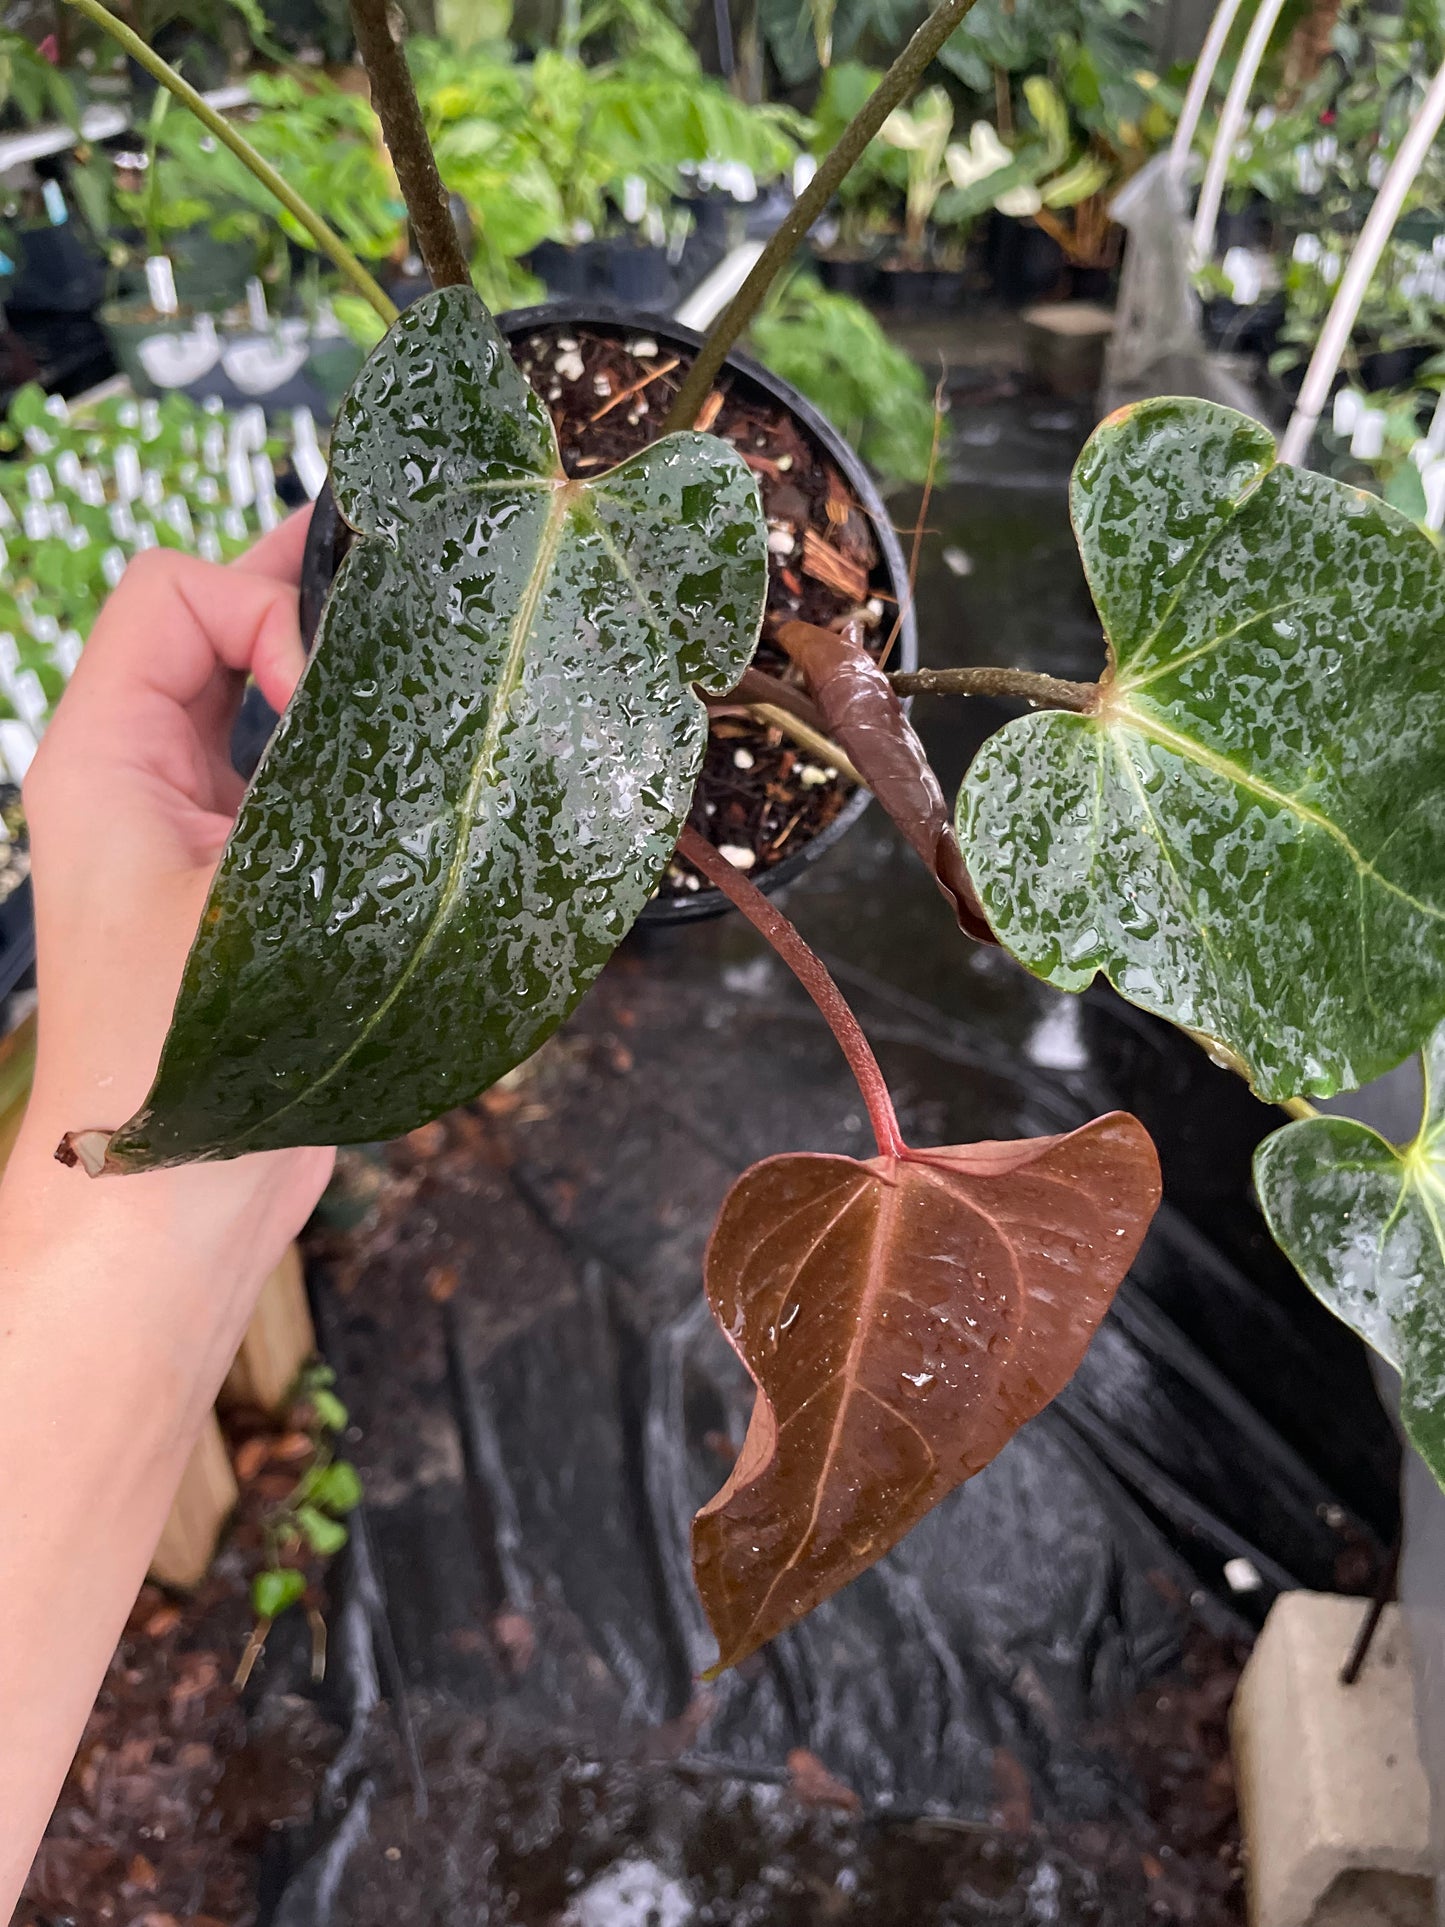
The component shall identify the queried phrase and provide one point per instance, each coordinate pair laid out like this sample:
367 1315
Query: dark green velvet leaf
484 771
1364 1224
1247 835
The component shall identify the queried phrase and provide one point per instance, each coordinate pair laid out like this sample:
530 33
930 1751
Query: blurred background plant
1335 96
834 351
82 491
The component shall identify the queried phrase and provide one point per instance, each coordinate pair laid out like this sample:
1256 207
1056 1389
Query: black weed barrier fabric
1017 1715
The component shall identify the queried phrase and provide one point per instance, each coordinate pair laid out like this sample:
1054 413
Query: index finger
174 620
278 553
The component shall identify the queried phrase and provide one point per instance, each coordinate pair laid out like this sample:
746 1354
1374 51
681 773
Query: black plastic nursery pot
1387 368
615 269
1244 330
920 290
848 273
17 937
1024 263
329 539
17 914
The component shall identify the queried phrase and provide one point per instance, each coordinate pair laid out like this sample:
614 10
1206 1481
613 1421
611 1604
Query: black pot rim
316 573
17 936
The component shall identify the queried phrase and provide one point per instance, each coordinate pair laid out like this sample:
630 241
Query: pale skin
123 1299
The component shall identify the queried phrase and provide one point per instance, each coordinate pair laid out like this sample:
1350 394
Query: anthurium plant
488 764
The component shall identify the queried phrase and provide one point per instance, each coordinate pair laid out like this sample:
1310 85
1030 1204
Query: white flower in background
982 155
926 125
1348 404
1367 443
1019 202
1309 175
1243 272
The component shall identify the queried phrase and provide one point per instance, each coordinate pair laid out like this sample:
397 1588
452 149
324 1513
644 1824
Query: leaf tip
85 1148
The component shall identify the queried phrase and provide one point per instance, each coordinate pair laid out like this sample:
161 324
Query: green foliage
337 1487
470 25
1318 155
922 134
833 351
30 84
878 181
325 1536
543 149
275 1589
498 731
1241 834
68 527
1091 50
1364 1223
917 175
327 1490
868 31
324 141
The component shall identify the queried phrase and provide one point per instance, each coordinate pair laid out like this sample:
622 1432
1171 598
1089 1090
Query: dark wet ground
1026 1700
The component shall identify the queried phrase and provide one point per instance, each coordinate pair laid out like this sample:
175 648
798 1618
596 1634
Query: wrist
114 1269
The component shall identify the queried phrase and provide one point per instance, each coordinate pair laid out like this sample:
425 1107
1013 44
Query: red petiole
812 974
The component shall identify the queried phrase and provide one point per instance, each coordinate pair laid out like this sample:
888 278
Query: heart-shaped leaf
485 768
1364 1224
901 1318
1247 834
861 713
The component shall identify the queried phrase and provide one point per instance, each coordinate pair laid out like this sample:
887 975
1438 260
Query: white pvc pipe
1199 85
1315 389
1231 120
708 299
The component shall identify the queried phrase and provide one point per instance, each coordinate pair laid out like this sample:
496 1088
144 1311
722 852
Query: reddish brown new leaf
862 714
901 1318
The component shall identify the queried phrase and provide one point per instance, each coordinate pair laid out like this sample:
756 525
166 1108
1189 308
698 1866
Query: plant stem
808 738
399 110
757 686
919 526
1052 692
1298 1107
890 92
810 972
329 242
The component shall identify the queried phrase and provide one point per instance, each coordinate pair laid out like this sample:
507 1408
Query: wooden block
278 1341
1065 343
17 1066
206 1499
1333 1798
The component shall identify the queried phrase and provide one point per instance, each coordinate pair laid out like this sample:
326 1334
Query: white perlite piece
1332 1796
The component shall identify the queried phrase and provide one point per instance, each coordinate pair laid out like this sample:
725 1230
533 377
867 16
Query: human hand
129 804
123 1300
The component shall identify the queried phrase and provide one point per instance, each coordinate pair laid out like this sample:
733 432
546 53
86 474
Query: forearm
123 1300
116 1328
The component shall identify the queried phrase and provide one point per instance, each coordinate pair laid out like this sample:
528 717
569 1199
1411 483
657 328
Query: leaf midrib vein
1121 715
847 1377
1125 682
510 676
1200 556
